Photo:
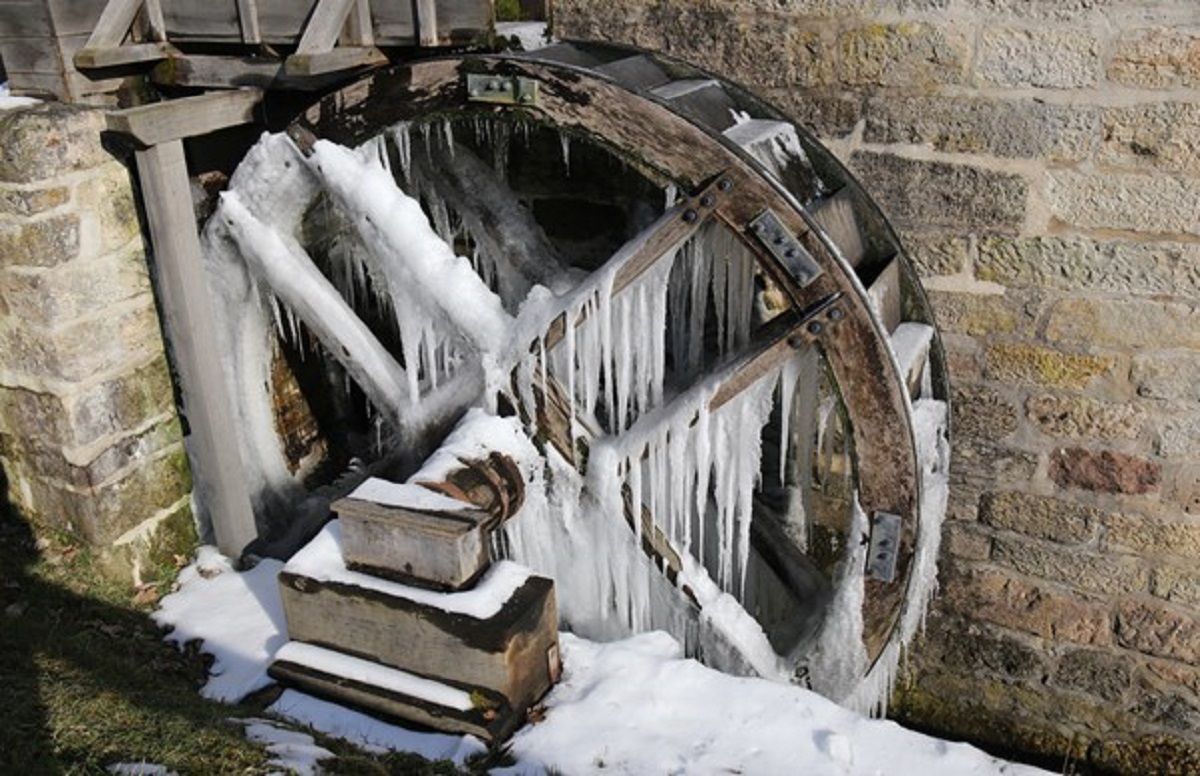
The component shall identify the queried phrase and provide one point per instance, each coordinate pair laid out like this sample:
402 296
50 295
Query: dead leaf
146 595
536 714
69 552
180 560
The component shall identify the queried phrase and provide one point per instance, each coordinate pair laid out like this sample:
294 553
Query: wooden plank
248 18
886 297
335 60
89 58
513 653
114 23
358 30
31 55
220 72
426 12
74 17
186 117
156 27
25 20
324 26
183 291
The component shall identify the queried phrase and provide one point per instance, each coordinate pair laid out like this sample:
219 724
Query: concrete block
1045 57
1041 517
1156 58
905 54
1039 365
1105 471
1151 204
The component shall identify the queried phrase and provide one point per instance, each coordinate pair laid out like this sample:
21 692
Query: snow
633 706
8 101
138 769
532 35
408 495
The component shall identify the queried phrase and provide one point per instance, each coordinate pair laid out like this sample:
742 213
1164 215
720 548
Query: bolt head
690 215
815 327
725 184
708 200
837 314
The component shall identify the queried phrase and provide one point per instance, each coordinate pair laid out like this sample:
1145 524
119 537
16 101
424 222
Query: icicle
565 142
402 137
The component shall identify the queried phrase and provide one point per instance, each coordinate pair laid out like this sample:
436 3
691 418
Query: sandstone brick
827 113
1125 323
978 466
1163 136
1157 58
1178 585
1158 629
1042 517
981 412
1179 435
1153 204
1037 365
1078 264
998 597
935 253
1183 488
965 647
83 468
1105 471
1078 416
1151 537
1083 571
57 295
937 195
1026 128
906 54
979 315
1097 673
1046 57
29 202
962 540
108 195
1164 705
1162 755
964 357
50 139
1052 10
1167 375
45 242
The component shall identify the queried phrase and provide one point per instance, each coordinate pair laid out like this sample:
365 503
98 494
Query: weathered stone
906 54
827 113
1041 517
1054 10
1087 572
1167 375
981 412
1157 58
1159 754
1105 471
1047 57
30 202
1037 365
1164 136
1027 129
49 139
88 467
1179 435
964 357
1165 705
978 466
107 196
1079 264
1098 673
1079 416
979 315
965 541
54 296
43 243
996 596
1153 204
965 647
1183 488
936 254
1158 629
1125 323
1151 537
1178 585
924 194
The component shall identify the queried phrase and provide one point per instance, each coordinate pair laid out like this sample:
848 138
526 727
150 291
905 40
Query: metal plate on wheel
885 546
502 89
785 246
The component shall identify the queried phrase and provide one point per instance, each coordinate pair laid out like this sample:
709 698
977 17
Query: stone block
998 597
1163 136
1167 375
827 113
1162 755
1156 58
980 465
1075 264
25 202
1102 674
1165 706
1025 128
90 467
1105 471
1044 57
1125 323
1048 10
107 196
1069 566
1158 629
50 139
1042 517
54 296
905 54
1151 204
983 413
979 315
1038 365
1078 416
938 195
965 647
935 254
1179 435
1178 585
965 541
46 242
1152 538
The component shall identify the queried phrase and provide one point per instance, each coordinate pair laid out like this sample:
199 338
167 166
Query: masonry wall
90 443
1041 159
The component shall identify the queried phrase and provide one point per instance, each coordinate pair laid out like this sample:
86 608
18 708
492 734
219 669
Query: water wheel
717 328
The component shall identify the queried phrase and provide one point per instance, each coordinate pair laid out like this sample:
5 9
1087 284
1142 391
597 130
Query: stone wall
1041 159
90 442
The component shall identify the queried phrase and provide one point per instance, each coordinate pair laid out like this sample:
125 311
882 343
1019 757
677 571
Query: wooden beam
324 26
427 22
337 59
183 290
114 23
359 30
95 58
161 122
156 25
248 19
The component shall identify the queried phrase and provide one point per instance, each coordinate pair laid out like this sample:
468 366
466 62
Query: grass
88 680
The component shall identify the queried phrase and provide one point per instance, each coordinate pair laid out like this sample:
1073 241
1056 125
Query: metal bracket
502 89
885 546
770 230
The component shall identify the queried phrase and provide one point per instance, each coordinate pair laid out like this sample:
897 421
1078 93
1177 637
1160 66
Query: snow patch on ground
295 752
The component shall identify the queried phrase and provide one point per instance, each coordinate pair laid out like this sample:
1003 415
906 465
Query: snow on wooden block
501 636
911 342
390 692
414 535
